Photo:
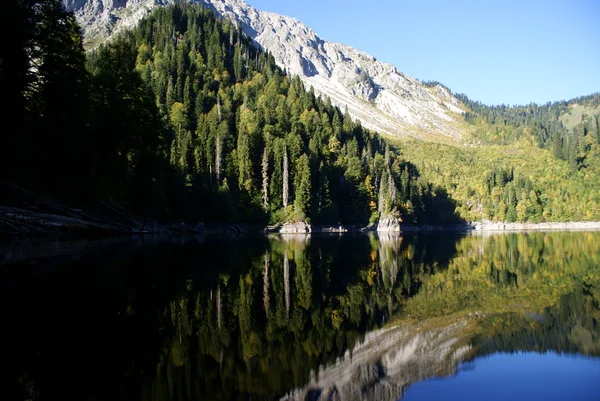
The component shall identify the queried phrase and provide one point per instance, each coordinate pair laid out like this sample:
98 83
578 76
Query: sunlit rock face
376 93
388 224
384 365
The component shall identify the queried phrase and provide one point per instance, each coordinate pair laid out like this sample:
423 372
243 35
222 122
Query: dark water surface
340 317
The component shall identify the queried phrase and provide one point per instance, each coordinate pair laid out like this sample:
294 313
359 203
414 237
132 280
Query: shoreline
473 227
546 226
505 227
29 215
16 222
26 215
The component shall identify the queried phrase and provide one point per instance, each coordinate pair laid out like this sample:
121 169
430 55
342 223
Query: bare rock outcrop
388 224
295 228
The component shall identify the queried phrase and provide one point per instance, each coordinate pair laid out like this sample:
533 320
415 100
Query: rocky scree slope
376 93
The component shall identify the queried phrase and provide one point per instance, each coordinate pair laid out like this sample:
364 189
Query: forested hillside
182 118
569 139
521 163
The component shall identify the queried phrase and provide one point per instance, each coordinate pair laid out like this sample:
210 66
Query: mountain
183 117
376 93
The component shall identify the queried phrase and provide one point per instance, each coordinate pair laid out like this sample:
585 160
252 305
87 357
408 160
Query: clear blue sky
511 52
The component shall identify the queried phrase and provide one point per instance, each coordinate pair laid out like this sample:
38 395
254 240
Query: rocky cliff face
376 93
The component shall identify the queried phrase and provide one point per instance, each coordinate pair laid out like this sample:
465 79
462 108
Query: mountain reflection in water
298 317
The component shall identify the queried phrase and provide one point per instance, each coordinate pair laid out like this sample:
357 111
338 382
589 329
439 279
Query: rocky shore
18 222
393 225
303 227
25 214
570 225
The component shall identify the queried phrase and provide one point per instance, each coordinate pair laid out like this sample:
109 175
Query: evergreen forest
183 118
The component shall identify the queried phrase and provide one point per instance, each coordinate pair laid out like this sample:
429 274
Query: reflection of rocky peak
376 93
384 365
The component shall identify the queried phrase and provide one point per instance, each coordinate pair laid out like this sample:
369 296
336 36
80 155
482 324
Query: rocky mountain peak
376 93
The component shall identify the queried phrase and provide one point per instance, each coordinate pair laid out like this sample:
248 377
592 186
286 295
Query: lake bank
305 228
569 225
26 214
55 220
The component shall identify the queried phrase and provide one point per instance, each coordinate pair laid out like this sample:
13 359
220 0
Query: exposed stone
501 226
388 224
376 93
295 228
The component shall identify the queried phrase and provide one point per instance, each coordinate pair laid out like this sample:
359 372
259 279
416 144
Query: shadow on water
194 318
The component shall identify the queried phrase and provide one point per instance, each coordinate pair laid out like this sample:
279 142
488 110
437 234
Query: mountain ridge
376 93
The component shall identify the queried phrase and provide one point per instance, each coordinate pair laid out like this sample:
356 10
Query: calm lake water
328 317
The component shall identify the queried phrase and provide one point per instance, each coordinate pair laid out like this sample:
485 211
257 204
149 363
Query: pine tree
265 179
302 202
237 63
286 177
382 204
244 162
218 158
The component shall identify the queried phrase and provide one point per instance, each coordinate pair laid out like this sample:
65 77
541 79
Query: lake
324 317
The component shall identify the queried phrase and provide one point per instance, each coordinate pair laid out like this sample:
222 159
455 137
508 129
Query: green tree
302 202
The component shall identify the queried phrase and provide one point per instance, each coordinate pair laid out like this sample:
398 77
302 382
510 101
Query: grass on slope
576 115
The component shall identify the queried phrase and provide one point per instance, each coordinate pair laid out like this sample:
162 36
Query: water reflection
523 376
264 317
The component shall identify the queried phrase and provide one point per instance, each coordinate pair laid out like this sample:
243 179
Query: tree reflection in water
258 318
